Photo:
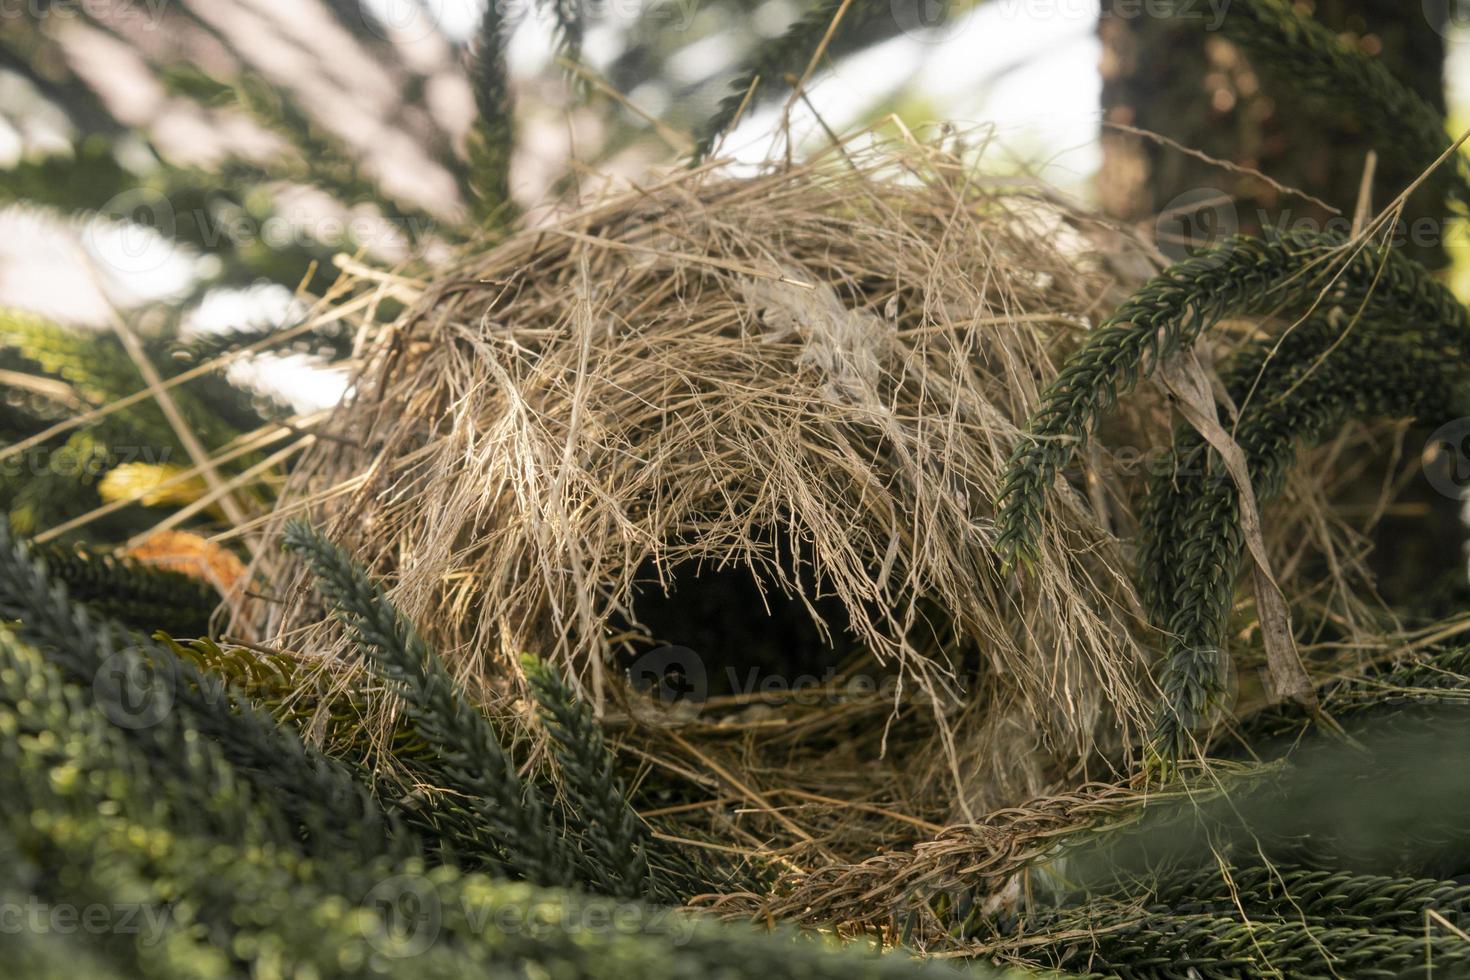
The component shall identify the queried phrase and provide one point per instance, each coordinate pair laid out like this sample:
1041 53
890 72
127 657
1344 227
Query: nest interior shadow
749 635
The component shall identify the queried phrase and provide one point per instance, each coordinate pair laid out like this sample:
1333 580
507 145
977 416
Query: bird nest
727 448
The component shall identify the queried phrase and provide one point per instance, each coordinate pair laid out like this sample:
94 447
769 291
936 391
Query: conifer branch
470 756
1242 276
141 597
492 138
37 705
1300 389
1160 943
1344 898
614 838
148 684
776 63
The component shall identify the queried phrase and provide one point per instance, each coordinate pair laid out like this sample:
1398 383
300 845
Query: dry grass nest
736 439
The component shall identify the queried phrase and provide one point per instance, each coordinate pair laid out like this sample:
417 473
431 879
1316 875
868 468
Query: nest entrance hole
741 633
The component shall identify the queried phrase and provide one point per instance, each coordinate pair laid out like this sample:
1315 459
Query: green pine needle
470 757
613 835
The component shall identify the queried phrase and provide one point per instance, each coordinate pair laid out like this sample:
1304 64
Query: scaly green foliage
139 596
1165 944
1344 898
97 366
1384 339
493 136
149 685
53 721
296 697
1300 391
1242 276
269 859
1432 681
1337 854
505 823
58 479
470 759
570 26
613 838
201 348
167 830
320 159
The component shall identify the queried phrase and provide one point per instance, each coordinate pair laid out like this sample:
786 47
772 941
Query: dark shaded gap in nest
738 630
726 631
